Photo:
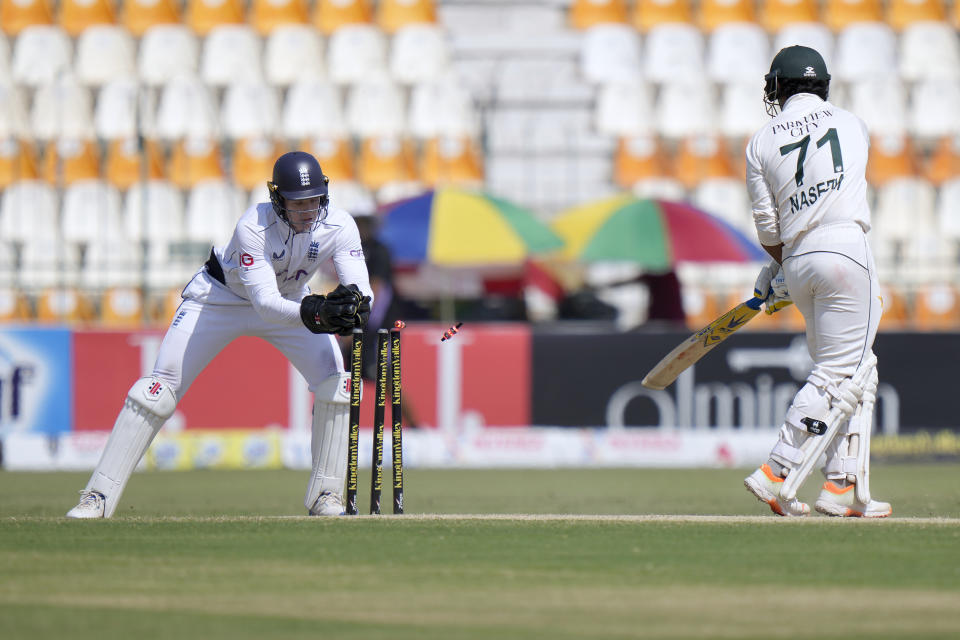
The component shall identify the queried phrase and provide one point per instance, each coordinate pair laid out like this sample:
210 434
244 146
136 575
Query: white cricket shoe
91 505
842 502
765 484
328 504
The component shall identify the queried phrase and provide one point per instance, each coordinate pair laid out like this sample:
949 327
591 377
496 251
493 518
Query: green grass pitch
629 553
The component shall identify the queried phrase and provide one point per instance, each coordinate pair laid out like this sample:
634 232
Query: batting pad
331 418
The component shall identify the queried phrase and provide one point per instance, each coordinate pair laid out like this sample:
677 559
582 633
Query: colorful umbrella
455 228
653 234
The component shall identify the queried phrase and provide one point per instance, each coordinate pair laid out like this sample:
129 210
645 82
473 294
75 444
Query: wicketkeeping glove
337 312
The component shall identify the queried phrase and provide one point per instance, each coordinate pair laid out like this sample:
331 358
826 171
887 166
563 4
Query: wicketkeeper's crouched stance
256 286
805 174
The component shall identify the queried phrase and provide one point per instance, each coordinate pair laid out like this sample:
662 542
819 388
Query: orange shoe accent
770 474
834 489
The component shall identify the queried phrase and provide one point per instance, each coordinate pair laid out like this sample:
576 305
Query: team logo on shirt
304 177
356 253
246 259
313 251
282 253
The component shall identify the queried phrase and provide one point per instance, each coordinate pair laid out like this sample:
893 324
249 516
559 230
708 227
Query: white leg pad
331 417
149 403
865 414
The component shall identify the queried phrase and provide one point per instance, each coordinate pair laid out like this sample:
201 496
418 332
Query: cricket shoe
842 502
91 505
765 484
328 504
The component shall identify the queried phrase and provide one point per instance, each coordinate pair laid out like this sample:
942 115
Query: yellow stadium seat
77 15
67 161
14 306
124 164
335 156
638 159
650 13
16 15
895 311
890 157
204 15
901 13
17 162
140 15
121 307
701 306
700 158
384 160
330 15
253 161
587 13
936 307
714 13
777 14
194 160
63 304
944 164
266 15
392 15
166 307
451 161
842 13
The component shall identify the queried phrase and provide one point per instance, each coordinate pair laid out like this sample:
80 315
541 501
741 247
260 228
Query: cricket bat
699 344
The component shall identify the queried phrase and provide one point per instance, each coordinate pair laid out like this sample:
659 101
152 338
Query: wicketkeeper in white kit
255 285
805 176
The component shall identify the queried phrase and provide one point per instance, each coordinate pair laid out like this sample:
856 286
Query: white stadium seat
62 109
112 262
948 209
123 110
376 108
659 188
40 55
153 212
8 263
4 57
673 53
933 108
167 51
213 208
186 109
230 52
611 53
881 102
815 35
865 50
558 132
521 80
104 53
742 111
685 109
13 115
418 53
313 108
355 53
293 53
727 199
738 51
624 109
929 50
250 110
352 197
46 261
443 108
28 206
91 211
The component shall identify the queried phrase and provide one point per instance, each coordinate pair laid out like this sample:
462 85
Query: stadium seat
8 268
639 158
164 309
742 111
840 14
451 161
14 306
46 261
865 50
63 305
531 80
78 15
936 307
124 165
41 55
933 111
419 53
352 197
105 53
929 50
267 15
659 189
28 205
648 14
293 42
904 13
186 109
17 162
140 15
901 195
442 108
738 52
4 57
121 307
230 53
330 15
393 15
13 115
67 160
891 157
17 15
62 110
213 208
584 14
610 53
313 108
701 157
203 16
700 305
685 109
195 160
167 51
375 108
356 53
881 102
112 263
674 53
624 109
91 211
809 34
252 163
944 163
385 159
123 110
948 210
335 155
896 312
153 211
250 109
714 13
727 199
777 14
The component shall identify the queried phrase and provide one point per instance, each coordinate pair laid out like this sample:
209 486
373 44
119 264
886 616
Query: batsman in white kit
255 285
805 176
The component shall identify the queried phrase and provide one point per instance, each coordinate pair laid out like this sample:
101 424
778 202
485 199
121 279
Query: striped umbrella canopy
457 228
653 234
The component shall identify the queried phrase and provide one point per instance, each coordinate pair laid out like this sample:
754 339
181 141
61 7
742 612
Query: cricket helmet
793 66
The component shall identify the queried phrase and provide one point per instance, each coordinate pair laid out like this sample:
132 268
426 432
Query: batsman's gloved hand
771 288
